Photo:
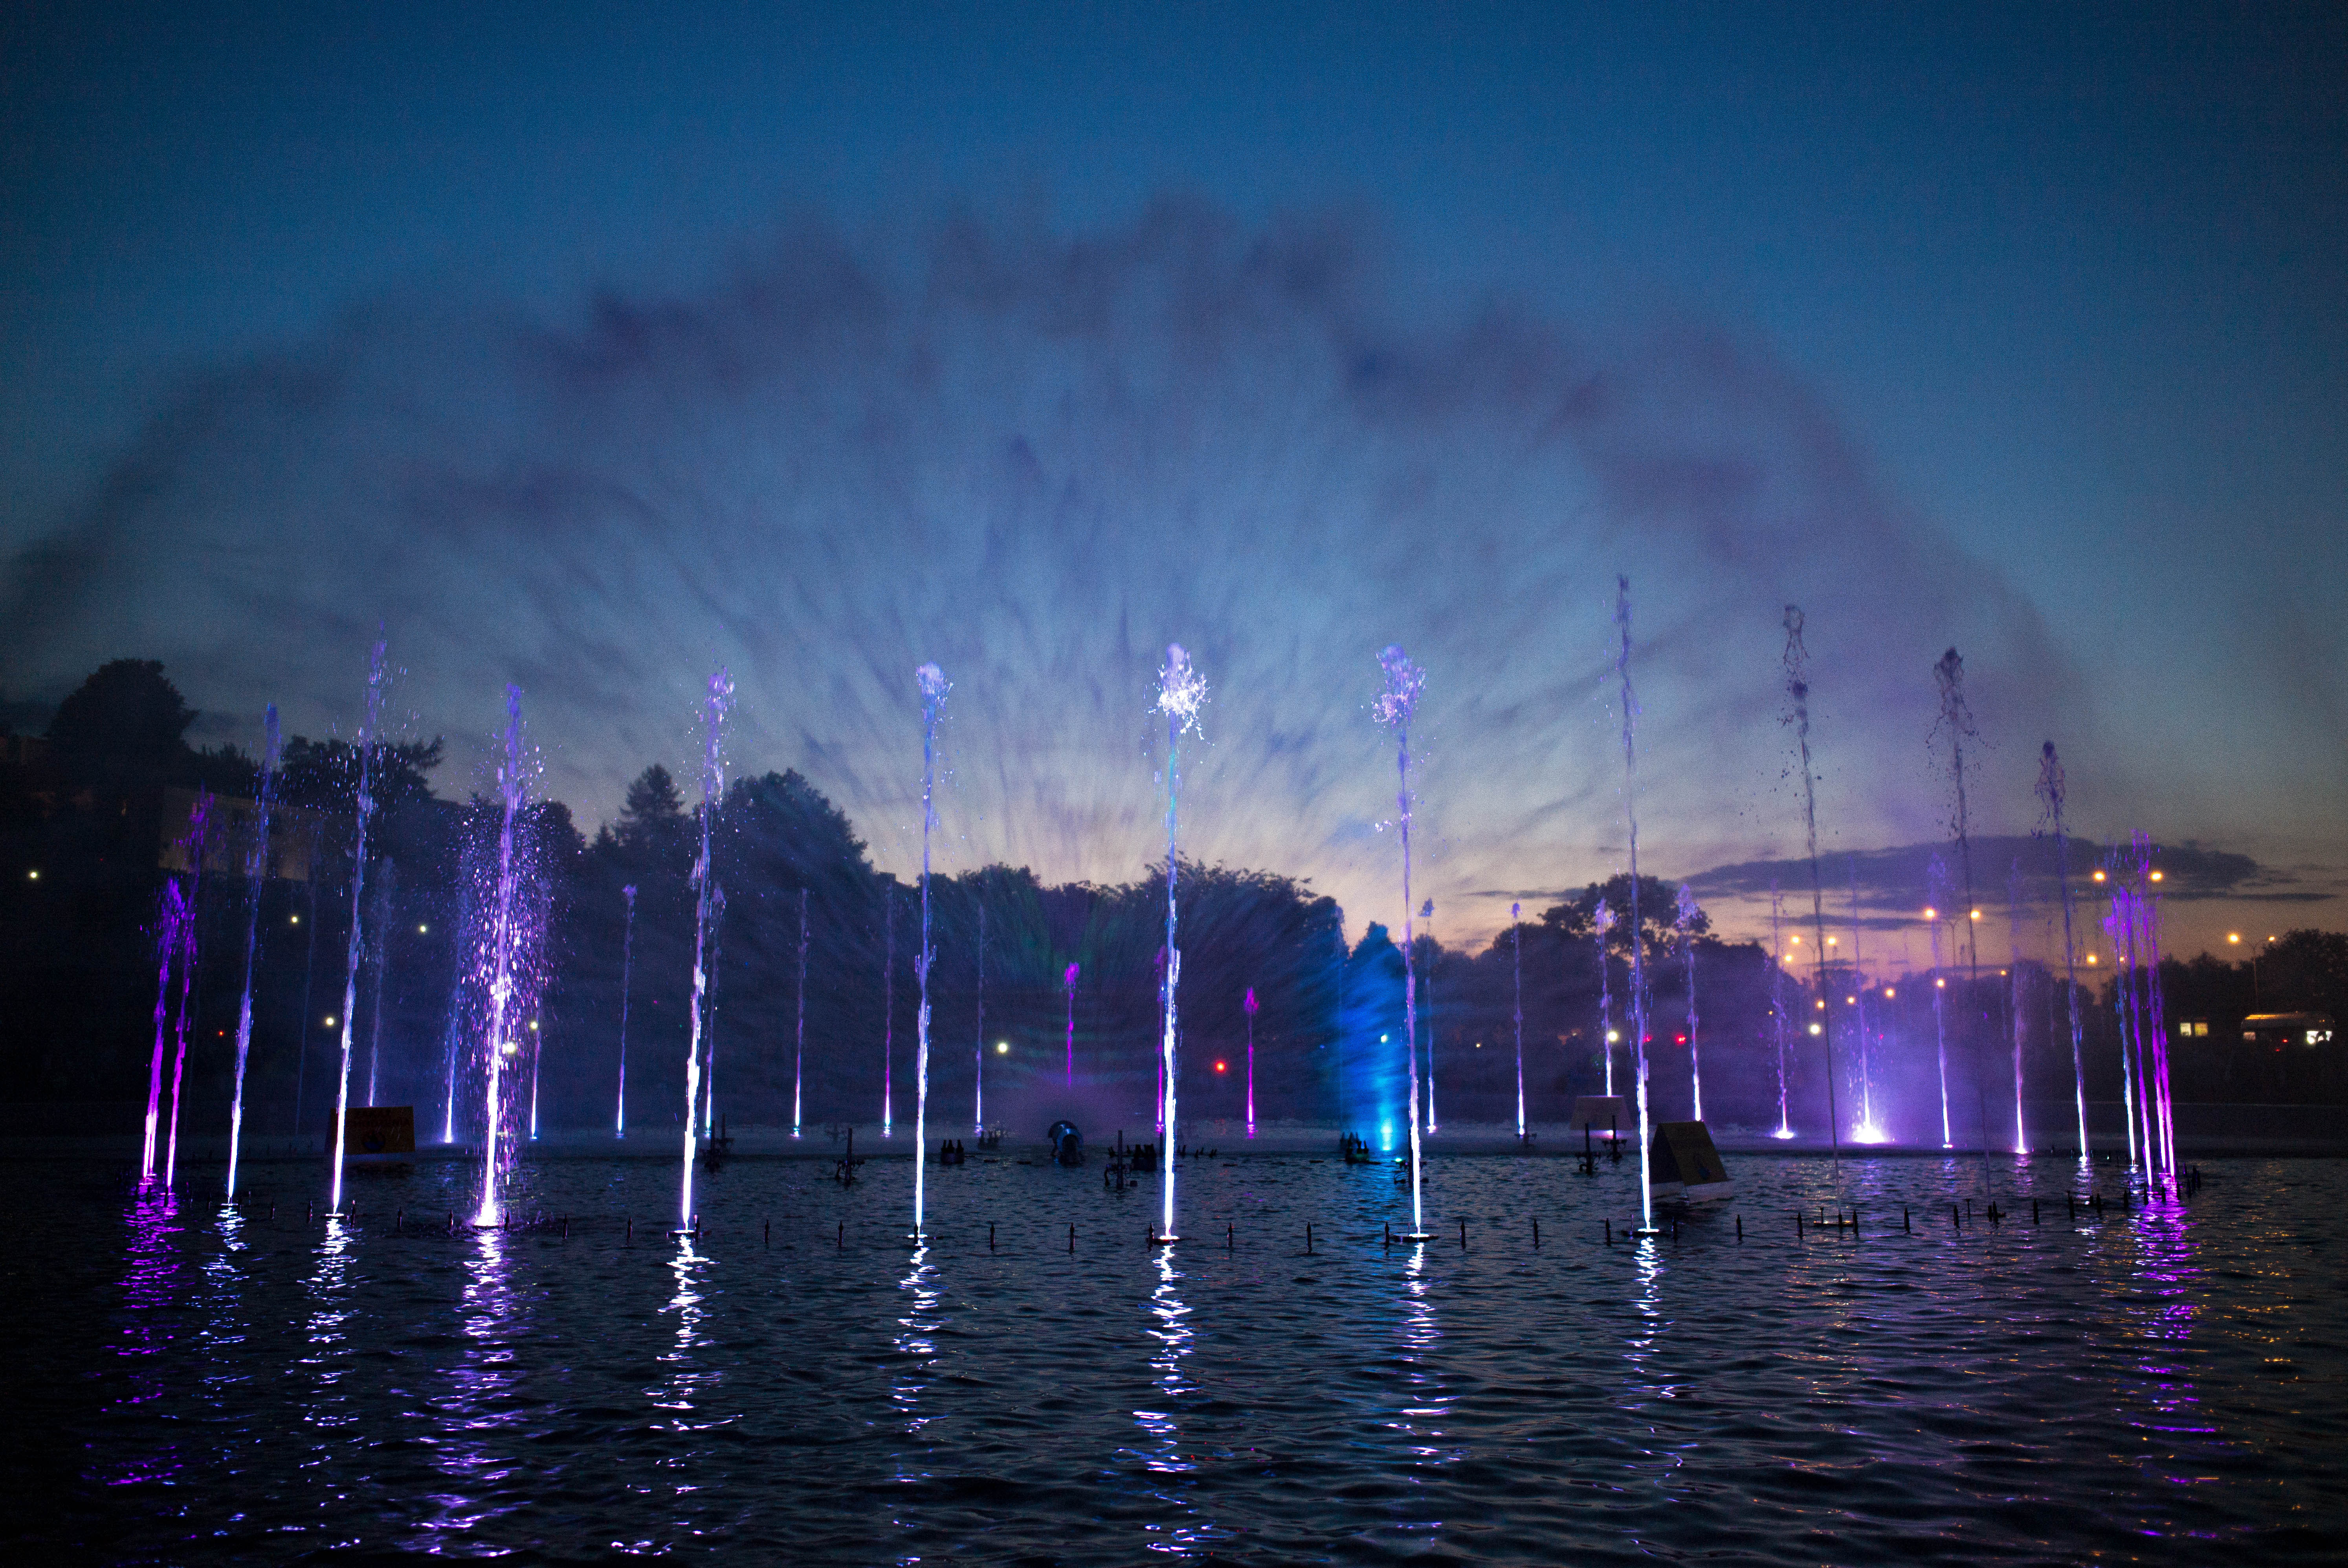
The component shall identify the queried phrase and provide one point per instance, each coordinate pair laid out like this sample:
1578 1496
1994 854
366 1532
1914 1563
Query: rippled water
202 1385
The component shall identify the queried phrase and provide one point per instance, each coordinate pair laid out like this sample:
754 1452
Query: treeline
86 815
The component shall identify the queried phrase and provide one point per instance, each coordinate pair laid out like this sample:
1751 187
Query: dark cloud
1036 457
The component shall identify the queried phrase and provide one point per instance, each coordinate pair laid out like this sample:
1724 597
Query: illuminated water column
257 877
2051 791
1797 714
502 933
195 846
1182 691
1517 964
933 684
358 892
1684 916
1637 946
627 978
1393 708
705 881
1249 1006
799 1051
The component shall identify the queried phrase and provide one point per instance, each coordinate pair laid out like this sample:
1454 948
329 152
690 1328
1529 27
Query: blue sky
2060 290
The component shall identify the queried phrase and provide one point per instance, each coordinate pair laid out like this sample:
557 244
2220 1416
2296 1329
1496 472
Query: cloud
1036 457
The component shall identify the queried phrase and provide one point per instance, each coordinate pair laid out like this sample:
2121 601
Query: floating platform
1683 1163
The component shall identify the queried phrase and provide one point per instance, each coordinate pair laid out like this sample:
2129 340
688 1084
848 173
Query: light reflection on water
2012 1391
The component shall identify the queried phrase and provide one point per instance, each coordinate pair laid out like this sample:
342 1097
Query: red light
1219 1067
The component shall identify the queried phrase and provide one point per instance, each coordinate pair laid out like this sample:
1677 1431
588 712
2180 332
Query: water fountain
309 974
170 918
358 895
1068 984
384 888
1393 708
798 1050
502 967
1867 1130
1778 1000
1685 915
1601 921
705 881
193 847
1248 1006
978 1075
1517 968
1797 714
2051 791
933 684
453 1028
627 977
709 1007
1638 944
888 1004
1427 913
2014 992
1181 691
1956 723
256 875
1936 884
2121 938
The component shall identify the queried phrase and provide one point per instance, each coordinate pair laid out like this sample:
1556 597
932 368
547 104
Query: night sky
587 353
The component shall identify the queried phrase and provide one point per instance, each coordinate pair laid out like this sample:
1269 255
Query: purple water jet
705 881
1684 914
385 887
935 686
1517 968
978 1076
1068 984
1250 1007
798 1050
1797 715
888 1004
2051 791
194 849
257 876
1778 1000
376 673
501 966
627 977
1181 691
1638 947
1393 708
1427 913
1601 921
1956 723
1936 885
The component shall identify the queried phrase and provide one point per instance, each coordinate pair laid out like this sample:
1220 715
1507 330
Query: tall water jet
1601 921
1517 967
1778 1000
1393 708
1797 714
887 1004
384 888
1427 913
1068 984
1250 1007
1936 884
2013 993
501 966
1637 946
798 1050
170 918
2124 1001
709 1009
2051 791
2145 907
627 978
1866 1131
537 1059
978 1075
932 682
454 1028
256 877
197 843
1956 723
358 895
1181 691
705 881
1684 914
